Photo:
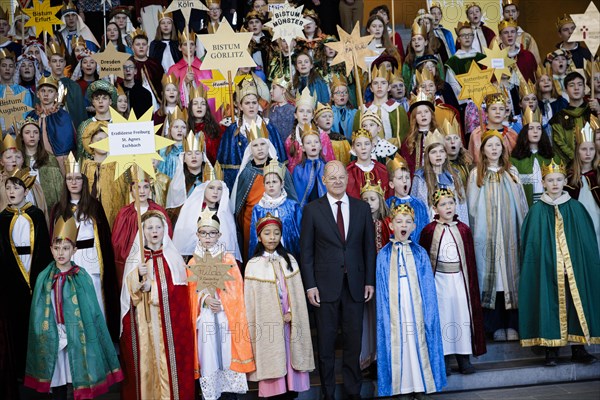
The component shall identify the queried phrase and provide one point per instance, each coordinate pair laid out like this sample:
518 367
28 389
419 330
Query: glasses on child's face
467 35
341 93
211 235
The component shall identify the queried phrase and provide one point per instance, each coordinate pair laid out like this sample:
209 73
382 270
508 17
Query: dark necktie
340 221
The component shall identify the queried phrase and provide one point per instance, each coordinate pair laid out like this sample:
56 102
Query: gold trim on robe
13 221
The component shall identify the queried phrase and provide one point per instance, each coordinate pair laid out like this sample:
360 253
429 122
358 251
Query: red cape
356 179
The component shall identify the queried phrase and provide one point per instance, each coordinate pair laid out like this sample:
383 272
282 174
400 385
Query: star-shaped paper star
42 16
111 61
287 23
142 159
12 108
226 50
352 49
476 84
498 60
587 28
185 6
210 272
218 88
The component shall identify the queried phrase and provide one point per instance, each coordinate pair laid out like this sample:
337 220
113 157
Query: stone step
510 351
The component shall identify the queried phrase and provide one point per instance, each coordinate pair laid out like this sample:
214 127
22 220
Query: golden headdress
65 230
418 29
397 76
185 36
138 32
586 134
72 166
137 174
562 21
304 98
24 175
4 14
178 113
594 122
361 133
78 41
89 131
321 109
198 92
439 193
370 186
207 218
370 116
526 88
9 142
49 81
55 48
396 163
492 132
193 142
209 2
424 75
211 173
257 132
531 116
162 14
281 81
432 138
421 98
170 78
381 72
542 70
495 98
273 167
70 7
435 4
403 208
553 167
338 80
470 5
462 25
245 88
5 53
506 3
120 90
506 23
268 219
450 127
309 129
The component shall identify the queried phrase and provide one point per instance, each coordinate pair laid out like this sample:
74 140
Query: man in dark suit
338 270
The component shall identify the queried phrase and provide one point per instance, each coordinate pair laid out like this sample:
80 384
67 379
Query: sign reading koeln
131 138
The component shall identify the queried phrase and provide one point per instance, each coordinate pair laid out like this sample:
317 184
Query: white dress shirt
345 210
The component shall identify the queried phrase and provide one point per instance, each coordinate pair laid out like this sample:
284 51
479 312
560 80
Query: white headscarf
175 264
177 193
82 30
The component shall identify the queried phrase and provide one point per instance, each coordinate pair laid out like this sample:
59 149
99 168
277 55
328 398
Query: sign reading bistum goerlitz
131 138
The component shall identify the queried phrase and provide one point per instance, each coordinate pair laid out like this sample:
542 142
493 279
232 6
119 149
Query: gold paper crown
138 32
9 142
462 25
257 132
507 3
185 36
306 99
253 15
309 129
245 88
55 48
424 75
594 122
78 41
397 76
207 219
281 81
267 220
435 4
370 187
552 168
469 5
137 174
49 81
526 88
531 116
381 72
506 23
495 98
211 173
72 165
120 91
89 131
193 142
371 116
162 14
178 113
170 78
4 53
361 133
3 14
321 109
209 2
310 13
418 29
542 70
562 21
403 208
65 230
492 132
421 98
198 92
450 127
24 175
439 193
432 138
586 134
396 163
338 80
70 7
274 168
28 121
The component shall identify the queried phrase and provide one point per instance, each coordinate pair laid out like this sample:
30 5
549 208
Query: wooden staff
290 69
136 199
393 25
230 83
359 98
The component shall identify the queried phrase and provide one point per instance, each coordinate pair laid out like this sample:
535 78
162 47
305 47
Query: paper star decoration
287 23
218 88
226 50
210 272
111 61
124 162
12 107
351 49
42 16
475 84
587 28
185 6
498 60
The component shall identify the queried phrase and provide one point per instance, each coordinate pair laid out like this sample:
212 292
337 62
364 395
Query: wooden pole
393 24
136 200
359 98
290 70
592 80
230 83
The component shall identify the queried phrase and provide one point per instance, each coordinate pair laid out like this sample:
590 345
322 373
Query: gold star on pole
210 272
475 84
351 49
12 107
587 28
42 16
111 61
186 6
132 141
226 50
287 23
498 60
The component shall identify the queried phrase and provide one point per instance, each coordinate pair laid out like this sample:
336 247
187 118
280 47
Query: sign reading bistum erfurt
131 138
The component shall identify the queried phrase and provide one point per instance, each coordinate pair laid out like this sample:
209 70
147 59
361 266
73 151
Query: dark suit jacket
324 254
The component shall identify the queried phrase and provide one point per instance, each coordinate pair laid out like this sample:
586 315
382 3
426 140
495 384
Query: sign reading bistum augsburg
131 138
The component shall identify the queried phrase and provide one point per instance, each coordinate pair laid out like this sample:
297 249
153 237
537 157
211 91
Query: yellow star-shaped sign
498 60
12 107
185 6
210 272
132 141
287 23
476 84
42 16
587 28
111 61
218 88
351 49
226 51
